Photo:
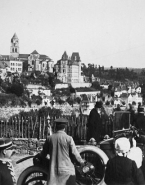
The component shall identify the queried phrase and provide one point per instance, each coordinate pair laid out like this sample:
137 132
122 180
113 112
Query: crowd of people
123 169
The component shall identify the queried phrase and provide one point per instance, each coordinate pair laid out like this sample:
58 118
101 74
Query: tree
38 102
25 81
51 81
133 103
72 90
96 85
78 100
16 89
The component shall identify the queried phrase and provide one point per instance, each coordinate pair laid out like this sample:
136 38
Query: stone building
68 69
26 62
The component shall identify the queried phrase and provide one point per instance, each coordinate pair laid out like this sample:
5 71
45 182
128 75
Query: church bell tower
14 49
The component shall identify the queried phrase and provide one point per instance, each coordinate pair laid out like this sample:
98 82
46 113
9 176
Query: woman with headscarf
121 170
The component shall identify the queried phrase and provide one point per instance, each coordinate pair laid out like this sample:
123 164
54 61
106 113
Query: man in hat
121 169
94 124
60 148
7 175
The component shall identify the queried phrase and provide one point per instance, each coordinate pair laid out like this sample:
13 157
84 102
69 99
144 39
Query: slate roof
123 95
44 57
4 64
75 56
14 37
23 55
85 89
64 56
58 62
34 52
5 58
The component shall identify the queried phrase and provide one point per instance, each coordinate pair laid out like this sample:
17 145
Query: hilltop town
34 80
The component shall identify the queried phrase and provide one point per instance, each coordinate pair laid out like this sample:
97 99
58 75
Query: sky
104 32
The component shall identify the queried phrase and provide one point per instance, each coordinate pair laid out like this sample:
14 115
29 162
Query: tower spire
14 49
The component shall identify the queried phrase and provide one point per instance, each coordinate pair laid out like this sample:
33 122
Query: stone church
18 62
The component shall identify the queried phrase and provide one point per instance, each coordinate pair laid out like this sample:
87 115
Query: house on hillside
35 89
138 90
91 94
46 101
4 68
68 69
124 88
88 96
104 86
117 101
124 98
136 98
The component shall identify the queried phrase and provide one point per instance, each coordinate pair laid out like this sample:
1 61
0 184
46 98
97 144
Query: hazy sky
104 32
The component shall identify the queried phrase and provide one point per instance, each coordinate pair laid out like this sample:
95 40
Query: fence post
39 136
12 127
19 124
31 126
6 128
43 127
28 126
16 127
25 128
34 127
22 127
4 131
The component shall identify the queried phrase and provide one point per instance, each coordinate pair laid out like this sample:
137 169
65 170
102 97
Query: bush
38 102
16 89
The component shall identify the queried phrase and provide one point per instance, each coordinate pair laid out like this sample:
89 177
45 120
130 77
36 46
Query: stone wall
27 146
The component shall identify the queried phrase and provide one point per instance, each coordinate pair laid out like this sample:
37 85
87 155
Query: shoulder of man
93 111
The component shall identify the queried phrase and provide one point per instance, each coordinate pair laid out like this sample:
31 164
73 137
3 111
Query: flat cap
5 143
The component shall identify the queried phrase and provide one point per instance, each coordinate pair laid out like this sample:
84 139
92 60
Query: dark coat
140 122
7 175
60 148
94 125
122 170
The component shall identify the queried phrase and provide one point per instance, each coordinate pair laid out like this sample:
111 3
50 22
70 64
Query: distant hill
137 70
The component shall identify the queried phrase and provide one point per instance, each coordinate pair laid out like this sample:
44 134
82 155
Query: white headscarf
122 146
136 154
